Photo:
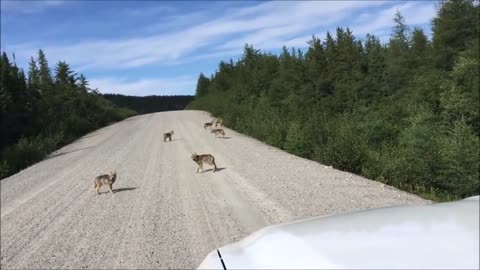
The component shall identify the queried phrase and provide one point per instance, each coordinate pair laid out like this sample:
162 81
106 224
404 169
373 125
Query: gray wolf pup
167 135
105 179
204 158
218 131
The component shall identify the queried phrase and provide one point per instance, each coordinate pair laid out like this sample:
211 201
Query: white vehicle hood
436 236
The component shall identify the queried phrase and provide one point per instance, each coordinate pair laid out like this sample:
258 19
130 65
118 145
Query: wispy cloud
26 7
181 85
166 36
413 12
273 21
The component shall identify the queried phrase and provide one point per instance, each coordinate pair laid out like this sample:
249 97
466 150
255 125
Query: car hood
435 236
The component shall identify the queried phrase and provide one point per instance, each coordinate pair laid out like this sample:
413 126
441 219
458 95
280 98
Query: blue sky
160 48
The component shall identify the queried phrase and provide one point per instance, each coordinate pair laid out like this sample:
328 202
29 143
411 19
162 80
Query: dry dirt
163 214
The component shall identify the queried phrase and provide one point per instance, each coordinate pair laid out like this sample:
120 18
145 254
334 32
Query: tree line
150 104
41 110
405 113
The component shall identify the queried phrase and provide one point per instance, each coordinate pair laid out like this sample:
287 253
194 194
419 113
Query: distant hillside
150 104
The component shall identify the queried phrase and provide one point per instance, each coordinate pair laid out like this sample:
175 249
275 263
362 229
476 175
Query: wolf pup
219 121
209 124
167 135
205 158
218 131
105 179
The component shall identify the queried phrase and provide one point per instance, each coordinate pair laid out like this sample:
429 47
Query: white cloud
413 12
273 21
142 87
27 7
203 34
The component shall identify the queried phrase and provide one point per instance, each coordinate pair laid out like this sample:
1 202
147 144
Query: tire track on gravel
42 225
164 215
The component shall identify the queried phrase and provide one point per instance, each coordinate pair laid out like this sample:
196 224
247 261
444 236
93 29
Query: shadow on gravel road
218 169
124 189
64 153
176 140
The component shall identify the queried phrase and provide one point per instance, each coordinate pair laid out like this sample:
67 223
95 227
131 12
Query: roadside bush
28 151
458 172
343 147
295 140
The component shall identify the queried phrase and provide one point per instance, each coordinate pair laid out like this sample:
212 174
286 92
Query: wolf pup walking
218 131
167 135
219 121
205 158
105 179
209 124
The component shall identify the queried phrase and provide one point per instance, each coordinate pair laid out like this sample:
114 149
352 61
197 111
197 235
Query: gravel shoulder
163 214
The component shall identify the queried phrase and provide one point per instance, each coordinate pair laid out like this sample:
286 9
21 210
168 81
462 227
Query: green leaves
38 114
456 24
459 152
404 113
295 140
202 86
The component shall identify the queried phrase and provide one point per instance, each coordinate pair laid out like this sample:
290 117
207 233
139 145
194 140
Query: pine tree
33 76
375 69
456 24
347 69
46 82
420 49
202 86
295 140
316 70
64 76
83 83
398 66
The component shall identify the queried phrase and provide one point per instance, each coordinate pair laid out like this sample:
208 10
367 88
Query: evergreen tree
34 120
33 76
64 76
83 83
457 23
202 86
420 49
398 65
46 82
375 66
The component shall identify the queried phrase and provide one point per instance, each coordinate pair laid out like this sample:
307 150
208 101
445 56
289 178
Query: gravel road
163 214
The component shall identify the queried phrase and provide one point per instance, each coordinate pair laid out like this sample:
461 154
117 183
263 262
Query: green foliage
404 113
459 153
28 151
457 23
343 147
202 86
295 140
40 113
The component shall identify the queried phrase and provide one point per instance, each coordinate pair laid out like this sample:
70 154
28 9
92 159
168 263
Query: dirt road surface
163 214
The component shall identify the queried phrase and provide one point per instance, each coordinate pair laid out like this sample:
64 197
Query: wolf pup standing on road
207 158
217 131
209 124
105 179
167 135
219 121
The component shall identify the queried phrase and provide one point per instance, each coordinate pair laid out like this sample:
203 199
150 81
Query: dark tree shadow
123 189
88 136
64 153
